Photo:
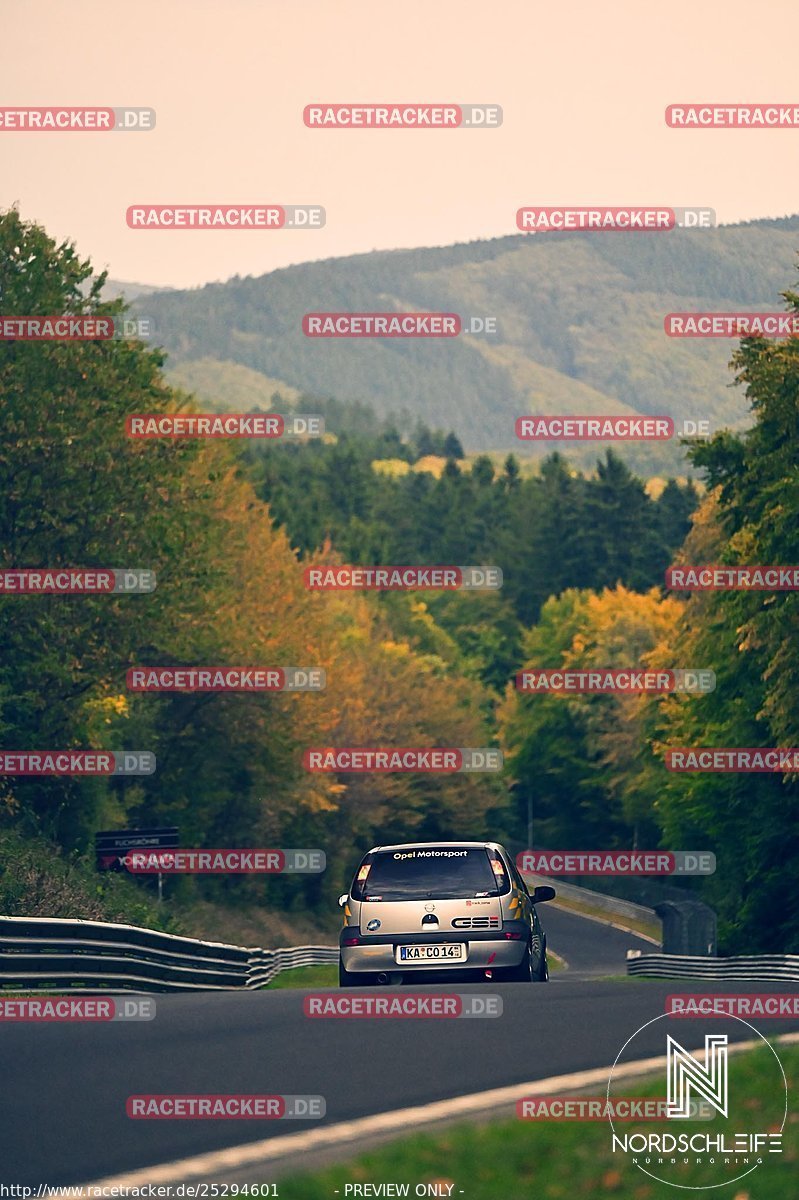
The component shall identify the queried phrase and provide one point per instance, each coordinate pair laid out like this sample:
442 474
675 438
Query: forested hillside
579 329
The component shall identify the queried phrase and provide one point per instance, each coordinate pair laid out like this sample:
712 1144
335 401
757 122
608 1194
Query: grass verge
325 976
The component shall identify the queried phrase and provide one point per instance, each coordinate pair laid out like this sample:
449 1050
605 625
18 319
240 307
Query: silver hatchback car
441 908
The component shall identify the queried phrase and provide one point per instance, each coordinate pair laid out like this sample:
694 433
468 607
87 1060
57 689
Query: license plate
443 951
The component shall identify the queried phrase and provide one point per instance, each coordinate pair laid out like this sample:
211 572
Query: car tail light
351 940
513 937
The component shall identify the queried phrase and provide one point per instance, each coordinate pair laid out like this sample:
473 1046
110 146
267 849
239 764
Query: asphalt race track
589 947
64 1087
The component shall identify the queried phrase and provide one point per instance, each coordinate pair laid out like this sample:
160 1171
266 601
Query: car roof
439 845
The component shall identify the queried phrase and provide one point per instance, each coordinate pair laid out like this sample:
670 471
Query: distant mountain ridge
579 328
119 287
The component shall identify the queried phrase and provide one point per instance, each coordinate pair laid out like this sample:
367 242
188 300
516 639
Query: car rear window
448 873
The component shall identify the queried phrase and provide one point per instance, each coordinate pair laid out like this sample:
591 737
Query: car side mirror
543 893
344 897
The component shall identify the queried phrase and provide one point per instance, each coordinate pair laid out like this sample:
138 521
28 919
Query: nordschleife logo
686 1075
744 1111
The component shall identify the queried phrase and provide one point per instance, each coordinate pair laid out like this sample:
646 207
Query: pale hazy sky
583 86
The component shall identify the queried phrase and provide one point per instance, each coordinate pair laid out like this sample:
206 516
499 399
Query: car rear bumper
484 950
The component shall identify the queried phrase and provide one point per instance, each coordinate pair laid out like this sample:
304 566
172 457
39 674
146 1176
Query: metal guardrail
598 900
53 954
767 968
268 963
